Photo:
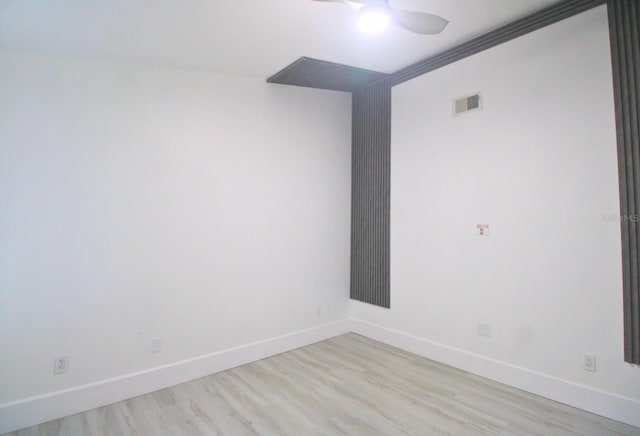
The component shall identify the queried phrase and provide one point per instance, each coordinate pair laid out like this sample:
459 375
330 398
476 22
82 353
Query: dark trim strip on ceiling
315 73
528 24
624 21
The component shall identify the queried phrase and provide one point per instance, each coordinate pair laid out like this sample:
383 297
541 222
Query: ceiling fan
375 15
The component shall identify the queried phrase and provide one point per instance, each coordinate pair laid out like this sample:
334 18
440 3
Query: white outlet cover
60 363
156 345
590 362
484 330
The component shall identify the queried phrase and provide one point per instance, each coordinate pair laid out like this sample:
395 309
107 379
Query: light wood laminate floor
345 385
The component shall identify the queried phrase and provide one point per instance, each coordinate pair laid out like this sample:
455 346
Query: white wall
538 164
214 211
138 202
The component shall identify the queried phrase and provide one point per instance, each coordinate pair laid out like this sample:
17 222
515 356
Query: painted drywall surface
538 164
137 202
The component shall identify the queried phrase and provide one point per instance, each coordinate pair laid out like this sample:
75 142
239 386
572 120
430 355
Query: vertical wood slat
624 19
370 194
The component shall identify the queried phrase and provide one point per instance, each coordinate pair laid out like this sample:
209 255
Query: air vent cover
467 104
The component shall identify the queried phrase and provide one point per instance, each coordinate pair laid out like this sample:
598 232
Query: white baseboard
35 410
603 403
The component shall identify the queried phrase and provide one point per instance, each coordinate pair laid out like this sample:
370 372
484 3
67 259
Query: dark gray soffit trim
496 37
315 73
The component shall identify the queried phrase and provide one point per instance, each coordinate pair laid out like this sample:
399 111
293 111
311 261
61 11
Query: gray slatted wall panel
370 191
624 19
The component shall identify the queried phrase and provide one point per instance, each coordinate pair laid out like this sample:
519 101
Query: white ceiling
246 37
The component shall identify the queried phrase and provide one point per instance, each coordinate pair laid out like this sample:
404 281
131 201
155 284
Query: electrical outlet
60 363
319 312
484 330
590 362
156 345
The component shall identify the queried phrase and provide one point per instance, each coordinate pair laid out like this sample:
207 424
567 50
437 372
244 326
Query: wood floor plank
348 385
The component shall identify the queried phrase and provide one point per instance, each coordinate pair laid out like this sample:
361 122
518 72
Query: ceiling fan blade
419 22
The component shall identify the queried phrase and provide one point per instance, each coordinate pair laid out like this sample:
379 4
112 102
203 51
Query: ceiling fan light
372 19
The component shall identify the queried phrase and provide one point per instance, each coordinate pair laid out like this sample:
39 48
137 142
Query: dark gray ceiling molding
498 36
624 21
315 73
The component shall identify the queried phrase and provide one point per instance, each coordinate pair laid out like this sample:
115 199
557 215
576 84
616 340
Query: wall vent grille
467 104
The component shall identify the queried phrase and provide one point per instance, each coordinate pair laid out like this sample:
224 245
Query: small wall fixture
483 229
